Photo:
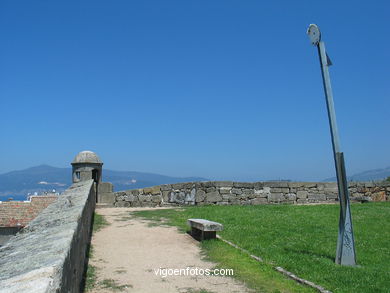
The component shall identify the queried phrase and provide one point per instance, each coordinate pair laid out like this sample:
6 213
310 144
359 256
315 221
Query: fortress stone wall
49 255
243 193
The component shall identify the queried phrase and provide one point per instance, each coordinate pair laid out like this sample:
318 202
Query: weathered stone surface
275 197
259 200
223 184
204 225
213 196
236 191
105 187
302 194
165 195
152 190
302 200
276 189
243 184
248 191
121 204
245 192
48 255
291 197
315 196
295 184
131 197
190 197
145 197
224 190
156 199
210 189
261 193
200 195
166 187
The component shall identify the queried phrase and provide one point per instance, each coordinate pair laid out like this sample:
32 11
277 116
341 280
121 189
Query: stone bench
204 229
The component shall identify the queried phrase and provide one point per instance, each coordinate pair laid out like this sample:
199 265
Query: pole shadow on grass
310 253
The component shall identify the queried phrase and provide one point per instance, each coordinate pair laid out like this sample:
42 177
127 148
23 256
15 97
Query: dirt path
128 252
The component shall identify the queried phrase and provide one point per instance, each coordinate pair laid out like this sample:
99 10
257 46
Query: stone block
291 197
178 186
210 189
165 195
309 184
248 191
275 197
144 197
152 190
317 196
243 184
213 196
276 189
130 198
106 198
156 199
234 200
332 196
208 184
295 184
259 200
330 190
302 200
224 190
105 187
223 184
302 194
166 187
190 196
236 191
200 195
179 197
260 193
285 190
122 204
223 203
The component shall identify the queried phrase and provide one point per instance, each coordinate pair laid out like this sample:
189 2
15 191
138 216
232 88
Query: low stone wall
20 213
243 193
49 254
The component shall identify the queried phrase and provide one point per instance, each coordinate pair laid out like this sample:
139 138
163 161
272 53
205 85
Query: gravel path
128 252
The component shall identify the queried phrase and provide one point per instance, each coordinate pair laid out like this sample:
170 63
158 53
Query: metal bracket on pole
345 252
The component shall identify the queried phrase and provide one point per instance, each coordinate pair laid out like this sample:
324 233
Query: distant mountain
370 175
17 184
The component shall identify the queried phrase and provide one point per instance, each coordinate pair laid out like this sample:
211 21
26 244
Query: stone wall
49 255
20 213
243 193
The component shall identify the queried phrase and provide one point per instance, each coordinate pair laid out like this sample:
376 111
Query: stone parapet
49 255
248 193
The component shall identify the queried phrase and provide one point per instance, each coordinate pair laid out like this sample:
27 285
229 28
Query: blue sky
219 89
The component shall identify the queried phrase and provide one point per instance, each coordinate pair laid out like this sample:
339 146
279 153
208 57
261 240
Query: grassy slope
302 239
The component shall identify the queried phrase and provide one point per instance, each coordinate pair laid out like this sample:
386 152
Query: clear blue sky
219 89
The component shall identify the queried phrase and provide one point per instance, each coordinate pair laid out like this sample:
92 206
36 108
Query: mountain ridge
17 184
369 175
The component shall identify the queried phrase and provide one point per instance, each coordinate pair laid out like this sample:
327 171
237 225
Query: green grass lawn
301 239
